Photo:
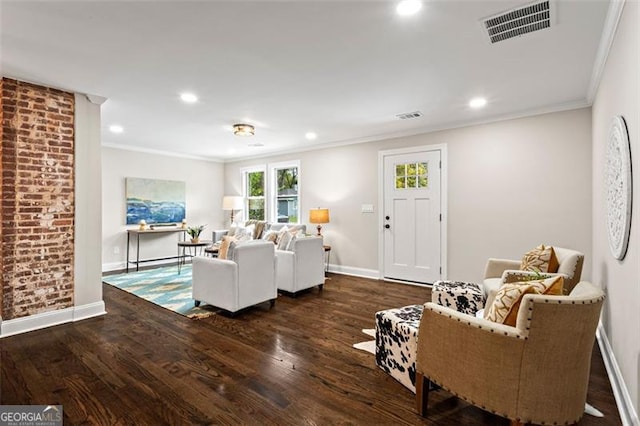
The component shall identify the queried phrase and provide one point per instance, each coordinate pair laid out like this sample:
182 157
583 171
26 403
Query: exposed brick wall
37 228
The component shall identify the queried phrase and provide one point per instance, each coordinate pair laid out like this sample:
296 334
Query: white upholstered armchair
245 280
301 267
499 271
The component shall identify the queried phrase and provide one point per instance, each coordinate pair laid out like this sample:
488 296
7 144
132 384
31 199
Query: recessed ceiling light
477 102
310 135
116 128
408 7
188 98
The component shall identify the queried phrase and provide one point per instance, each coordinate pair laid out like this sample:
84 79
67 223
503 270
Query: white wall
88 201
512 185
204 200
618 94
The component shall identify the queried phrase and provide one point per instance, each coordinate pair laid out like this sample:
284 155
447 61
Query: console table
137 233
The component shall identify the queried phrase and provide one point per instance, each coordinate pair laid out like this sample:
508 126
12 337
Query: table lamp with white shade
319 216
232 202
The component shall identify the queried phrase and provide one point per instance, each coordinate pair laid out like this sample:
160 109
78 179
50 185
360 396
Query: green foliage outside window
412 175
256 184
255 195
287 181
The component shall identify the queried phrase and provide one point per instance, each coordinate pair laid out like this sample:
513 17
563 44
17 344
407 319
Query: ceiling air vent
519 21
409 115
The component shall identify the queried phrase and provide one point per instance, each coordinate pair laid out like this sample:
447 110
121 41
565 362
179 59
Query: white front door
412 216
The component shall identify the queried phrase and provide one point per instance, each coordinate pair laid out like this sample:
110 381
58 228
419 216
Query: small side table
212 250
327 249
193 250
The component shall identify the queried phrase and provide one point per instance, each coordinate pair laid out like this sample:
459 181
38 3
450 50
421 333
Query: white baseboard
89 310
121 266
627 412
353 271
50 318
113 266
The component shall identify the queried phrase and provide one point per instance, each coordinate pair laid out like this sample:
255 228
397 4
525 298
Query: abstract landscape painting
154 200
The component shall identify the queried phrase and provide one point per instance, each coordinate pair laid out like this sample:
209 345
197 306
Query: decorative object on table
184 223
155 201
142 225
619 188
241 129
194 232
233 203
320 217
163 287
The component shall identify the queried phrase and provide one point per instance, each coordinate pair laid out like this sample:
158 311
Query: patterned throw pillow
504 309
540 259
223 251
270 236
553 285
284 239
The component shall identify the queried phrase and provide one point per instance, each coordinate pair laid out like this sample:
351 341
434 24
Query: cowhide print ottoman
464 297
396 343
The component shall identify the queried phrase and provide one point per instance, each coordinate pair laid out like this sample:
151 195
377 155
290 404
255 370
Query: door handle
387 226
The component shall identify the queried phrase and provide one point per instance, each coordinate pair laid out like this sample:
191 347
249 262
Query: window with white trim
285 192
272 196
254 192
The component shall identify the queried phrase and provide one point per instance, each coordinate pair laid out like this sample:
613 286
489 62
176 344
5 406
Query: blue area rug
164 287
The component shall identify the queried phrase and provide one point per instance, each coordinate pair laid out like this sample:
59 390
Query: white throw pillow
245 234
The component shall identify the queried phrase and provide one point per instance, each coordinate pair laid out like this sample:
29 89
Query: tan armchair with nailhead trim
500 271
536 372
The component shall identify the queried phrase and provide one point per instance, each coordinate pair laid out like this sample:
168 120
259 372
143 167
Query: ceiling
341 69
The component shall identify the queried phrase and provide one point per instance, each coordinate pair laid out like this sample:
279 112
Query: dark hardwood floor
292 364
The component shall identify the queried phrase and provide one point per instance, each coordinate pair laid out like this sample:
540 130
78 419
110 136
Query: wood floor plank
291 364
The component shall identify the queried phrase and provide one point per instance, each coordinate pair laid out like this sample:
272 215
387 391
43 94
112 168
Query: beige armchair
499 271
527 373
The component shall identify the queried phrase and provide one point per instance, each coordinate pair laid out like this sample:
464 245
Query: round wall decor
618 186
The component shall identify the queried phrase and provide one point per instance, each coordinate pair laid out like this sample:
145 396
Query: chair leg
423 385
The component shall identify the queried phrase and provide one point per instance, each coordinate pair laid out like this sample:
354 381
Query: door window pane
412 175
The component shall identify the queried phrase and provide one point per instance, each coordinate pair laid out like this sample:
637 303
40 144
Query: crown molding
606 41
161 152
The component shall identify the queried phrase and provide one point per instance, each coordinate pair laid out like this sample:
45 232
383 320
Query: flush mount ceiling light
408 7
188 98
310 135
477 102
115 128
243 130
